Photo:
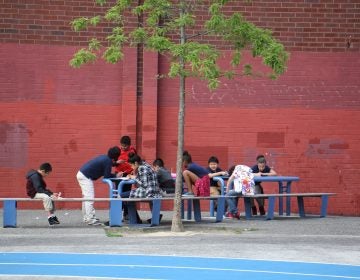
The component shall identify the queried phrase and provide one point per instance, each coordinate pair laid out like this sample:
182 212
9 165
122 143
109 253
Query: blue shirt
98 167
197 170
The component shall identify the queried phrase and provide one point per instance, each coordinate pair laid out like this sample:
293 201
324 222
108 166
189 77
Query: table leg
220 209
288 199
271 208
281 190
247 202
132 212
301 206
197 210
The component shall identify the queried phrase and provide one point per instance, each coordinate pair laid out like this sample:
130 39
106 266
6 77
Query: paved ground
326 240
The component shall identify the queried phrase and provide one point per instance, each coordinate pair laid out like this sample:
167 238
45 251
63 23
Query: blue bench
115 208
300 199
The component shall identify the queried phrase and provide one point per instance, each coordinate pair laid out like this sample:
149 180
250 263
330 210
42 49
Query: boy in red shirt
122 166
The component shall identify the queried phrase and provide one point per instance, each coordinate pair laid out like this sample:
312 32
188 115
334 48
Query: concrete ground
312 239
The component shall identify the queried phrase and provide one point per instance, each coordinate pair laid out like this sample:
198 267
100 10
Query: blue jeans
233 201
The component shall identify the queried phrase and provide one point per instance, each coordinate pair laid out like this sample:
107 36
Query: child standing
36 188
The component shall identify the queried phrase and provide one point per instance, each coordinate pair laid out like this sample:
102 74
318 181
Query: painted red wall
305 122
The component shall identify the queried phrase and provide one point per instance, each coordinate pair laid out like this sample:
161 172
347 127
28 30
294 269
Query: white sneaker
94 222
86 221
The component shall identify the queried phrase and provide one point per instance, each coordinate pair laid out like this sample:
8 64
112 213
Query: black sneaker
51 221
149 220
56 220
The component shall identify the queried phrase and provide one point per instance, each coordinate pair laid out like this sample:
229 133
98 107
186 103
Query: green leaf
113 54
95 20
79 24
94 44
100 2
81 57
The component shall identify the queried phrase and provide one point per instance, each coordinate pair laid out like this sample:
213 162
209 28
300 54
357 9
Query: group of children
150 180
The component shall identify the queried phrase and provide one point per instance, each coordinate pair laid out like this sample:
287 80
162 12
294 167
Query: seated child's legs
190 179
47 202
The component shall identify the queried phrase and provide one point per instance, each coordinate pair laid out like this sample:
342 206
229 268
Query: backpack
30 190
244 180
202 186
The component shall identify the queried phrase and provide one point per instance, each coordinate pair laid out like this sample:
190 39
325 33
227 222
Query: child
194 175
122 167
36 188
260 169
242 179
214 170
92 170
166 182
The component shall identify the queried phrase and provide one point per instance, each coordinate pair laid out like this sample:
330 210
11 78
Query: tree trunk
177 225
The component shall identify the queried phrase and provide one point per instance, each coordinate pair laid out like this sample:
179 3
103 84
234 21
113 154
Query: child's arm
221 173
228 183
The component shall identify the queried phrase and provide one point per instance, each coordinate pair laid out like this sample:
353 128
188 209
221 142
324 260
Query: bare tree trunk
177 225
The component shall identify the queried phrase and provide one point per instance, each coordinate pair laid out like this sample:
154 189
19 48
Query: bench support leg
220 209
324 204
9 213
247 203
115 217
155 212
301 206
271 208
197 210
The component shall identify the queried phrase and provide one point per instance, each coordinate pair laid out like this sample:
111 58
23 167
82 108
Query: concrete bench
300 199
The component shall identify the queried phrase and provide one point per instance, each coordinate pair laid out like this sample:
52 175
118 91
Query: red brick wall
50 112
305 122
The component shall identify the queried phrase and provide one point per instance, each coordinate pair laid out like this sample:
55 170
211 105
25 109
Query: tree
168 28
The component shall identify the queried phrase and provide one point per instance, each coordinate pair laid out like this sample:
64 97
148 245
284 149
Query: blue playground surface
165 267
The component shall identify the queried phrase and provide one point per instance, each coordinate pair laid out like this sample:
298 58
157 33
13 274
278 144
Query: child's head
186 158
134 160
213 163
125 142
158 163
114 153
261 162
45 169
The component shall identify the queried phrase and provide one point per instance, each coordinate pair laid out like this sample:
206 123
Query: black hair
114 153
213 159
133 158
261 159
187 157
158 162
126 140
46 167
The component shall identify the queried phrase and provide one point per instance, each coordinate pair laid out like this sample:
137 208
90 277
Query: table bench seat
115 208
300 199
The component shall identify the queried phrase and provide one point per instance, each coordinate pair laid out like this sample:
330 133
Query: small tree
168 28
